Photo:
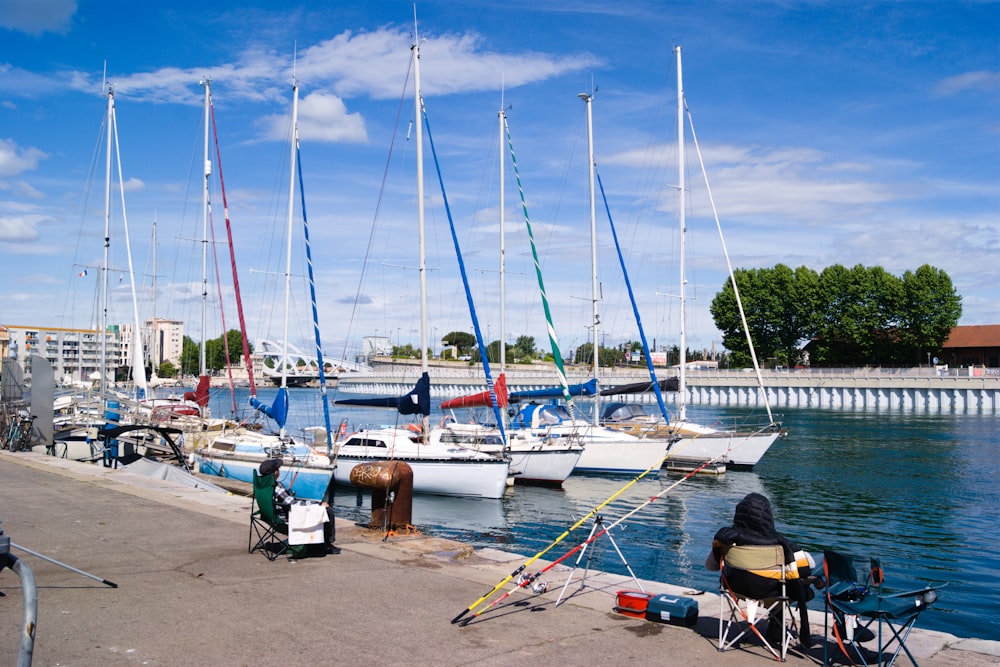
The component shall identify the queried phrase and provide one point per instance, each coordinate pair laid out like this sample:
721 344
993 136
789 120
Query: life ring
414 427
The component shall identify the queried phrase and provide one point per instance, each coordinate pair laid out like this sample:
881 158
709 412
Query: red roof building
974 345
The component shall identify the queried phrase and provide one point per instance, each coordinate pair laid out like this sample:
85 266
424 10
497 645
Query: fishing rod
565 534
527 580
519 570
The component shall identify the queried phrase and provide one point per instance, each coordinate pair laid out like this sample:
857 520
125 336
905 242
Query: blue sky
832 132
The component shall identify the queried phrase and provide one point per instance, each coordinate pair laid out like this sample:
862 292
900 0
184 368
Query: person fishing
753 524
283 499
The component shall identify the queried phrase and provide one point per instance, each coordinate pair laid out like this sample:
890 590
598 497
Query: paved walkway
190 594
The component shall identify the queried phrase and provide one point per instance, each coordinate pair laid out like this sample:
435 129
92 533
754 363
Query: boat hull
621 457
446 477
306 480
739 451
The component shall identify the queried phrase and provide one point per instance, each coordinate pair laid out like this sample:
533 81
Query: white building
164 341
75 354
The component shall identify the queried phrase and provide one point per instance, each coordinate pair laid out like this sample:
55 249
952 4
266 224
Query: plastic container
672 609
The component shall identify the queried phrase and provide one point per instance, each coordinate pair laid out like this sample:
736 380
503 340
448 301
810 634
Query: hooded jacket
753 524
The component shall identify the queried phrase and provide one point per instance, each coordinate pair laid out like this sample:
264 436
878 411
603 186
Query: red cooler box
633 603
672 609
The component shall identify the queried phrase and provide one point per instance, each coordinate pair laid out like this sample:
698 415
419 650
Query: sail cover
416 402
278 410
588 388
669 384
480 400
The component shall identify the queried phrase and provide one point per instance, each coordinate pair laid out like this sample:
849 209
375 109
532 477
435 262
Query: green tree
167 370
780 306
930 309
463 340
860 308
524 350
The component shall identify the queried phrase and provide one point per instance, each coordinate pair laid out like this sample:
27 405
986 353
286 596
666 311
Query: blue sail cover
588 388
416 402
278 410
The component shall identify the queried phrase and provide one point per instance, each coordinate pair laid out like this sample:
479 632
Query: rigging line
635 308
729 265
550 328
232 257
222 310
378 209
494 402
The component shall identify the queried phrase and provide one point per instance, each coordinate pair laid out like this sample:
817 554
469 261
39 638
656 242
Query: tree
780 306
861 315
930 309
463 340
524 350
215 353
167 370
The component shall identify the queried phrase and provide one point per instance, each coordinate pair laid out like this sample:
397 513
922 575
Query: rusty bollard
391 484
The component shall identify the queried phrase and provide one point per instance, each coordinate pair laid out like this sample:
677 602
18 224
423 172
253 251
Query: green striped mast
553 341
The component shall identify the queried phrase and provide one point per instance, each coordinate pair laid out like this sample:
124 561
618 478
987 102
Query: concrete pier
190 594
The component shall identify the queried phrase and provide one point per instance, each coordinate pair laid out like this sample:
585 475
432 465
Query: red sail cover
482 399
200 394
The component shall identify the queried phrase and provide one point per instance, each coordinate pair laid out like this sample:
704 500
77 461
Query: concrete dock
189 593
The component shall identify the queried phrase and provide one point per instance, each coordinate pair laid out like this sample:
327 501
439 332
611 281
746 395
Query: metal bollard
391 484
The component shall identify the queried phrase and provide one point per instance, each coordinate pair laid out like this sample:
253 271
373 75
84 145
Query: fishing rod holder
596 531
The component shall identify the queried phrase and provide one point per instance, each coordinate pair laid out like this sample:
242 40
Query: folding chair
745 614
856 605
265 523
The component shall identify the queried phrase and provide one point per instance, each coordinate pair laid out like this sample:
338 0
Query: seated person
753 524
283 499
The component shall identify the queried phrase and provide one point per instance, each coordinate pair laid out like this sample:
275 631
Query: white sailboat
441 465
605 450
236 453
738 448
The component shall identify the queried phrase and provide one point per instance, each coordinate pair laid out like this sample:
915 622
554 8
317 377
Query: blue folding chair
855 606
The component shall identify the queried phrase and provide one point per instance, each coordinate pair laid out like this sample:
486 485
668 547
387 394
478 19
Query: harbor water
919 490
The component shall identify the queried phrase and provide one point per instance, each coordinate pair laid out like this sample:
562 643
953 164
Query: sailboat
79 418
534 459
442 463
237 453
604 450
739 449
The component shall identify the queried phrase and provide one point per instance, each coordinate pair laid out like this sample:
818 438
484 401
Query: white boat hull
737 450
621 456
476 479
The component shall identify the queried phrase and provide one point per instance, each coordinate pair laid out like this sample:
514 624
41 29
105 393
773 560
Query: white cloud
35 17
981 80
15 160
19 229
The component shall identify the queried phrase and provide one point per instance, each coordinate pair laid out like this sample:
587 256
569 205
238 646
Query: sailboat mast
107 243
207 173
682 376
288 232
596 320
503 250
419 137
154 357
